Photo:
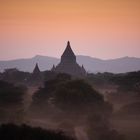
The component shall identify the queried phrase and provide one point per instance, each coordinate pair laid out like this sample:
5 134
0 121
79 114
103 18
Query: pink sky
98 28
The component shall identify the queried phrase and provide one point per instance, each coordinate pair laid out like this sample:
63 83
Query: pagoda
68 63
36 76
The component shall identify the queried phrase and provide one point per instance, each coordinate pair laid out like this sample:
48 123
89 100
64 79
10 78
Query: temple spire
68 51
68 43
36 69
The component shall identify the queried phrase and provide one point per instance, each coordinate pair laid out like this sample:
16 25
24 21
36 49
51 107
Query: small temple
36 76
36 69
68 63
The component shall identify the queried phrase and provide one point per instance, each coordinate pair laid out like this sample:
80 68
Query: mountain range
92 65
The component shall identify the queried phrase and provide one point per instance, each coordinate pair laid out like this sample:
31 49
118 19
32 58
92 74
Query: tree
72 103
76 94
11 100
25 132
43 95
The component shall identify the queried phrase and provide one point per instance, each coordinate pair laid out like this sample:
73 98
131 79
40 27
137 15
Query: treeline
70 102
98 79
25 132
16 76
126 81
67 102
73 103
123 91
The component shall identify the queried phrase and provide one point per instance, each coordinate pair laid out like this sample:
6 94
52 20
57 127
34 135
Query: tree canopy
25 132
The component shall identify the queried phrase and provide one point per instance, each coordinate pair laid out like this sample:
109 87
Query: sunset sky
98 28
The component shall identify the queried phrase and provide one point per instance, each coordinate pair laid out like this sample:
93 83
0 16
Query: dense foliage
73 103
70 95
10 94
125 81
24 132
11 101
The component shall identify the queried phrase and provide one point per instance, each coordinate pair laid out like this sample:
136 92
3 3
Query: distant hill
119 65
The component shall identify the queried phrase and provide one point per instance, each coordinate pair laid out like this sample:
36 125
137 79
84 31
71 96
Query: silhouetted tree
41 97
76 94
71 102
25 132
11 100
15 76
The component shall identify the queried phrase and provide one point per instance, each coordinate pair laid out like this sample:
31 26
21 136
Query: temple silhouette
68 63
36 76
36 70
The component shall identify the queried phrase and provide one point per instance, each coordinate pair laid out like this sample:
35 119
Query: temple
36 70
68 63
36 76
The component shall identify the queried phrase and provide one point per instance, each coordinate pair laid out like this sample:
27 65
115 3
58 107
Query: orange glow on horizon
77 20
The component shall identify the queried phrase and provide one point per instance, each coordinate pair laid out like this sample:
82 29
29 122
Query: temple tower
36 69
68 63
68 55
36 77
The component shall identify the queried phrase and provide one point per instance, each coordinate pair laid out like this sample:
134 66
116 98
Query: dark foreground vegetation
11 102
25 132
73 103
102 106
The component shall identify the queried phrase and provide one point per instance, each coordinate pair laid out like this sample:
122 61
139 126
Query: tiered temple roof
68 63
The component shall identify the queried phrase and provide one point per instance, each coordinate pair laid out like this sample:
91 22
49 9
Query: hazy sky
99 28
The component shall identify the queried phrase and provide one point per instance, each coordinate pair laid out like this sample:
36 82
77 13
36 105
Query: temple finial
68 43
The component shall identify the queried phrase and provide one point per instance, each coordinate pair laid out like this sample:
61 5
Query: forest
62 107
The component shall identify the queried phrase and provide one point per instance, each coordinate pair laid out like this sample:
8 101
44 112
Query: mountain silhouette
119 65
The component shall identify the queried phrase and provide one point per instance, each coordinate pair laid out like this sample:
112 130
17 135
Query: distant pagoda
68 63
36 76
36 69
